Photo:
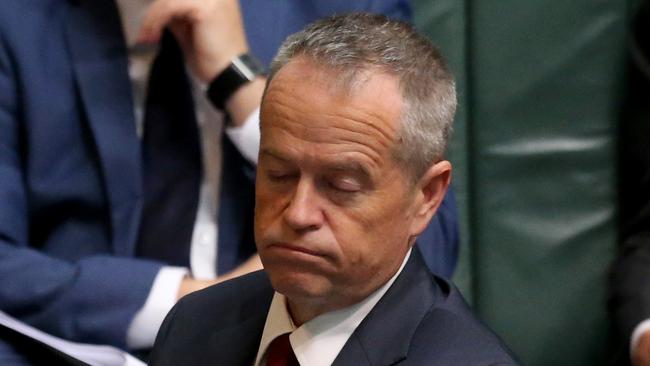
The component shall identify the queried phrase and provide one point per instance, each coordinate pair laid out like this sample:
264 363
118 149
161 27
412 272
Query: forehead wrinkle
363 135
277 104
343 99
342 145
384 135
343 117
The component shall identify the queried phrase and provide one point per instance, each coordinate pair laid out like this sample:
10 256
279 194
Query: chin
298 285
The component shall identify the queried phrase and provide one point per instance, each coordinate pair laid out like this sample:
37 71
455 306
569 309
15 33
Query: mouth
296 249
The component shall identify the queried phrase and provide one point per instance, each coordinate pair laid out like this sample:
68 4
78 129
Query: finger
160 14
182 33
153 22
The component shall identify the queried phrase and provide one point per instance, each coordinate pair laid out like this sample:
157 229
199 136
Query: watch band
242 70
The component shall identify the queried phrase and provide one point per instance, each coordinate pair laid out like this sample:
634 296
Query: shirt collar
278 322
318 341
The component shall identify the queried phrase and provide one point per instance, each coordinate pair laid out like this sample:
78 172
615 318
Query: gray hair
357 42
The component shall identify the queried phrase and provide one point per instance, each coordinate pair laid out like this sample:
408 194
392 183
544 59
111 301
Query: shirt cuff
162 297
247 136
643 327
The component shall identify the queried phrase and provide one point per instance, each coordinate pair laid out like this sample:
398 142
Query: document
92 354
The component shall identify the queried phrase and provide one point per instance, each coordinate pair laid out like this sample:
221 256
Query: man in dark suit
72 187
354 123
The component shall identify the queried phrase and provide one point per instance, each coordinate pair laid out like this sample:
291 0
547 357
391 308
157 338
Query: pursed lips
297 248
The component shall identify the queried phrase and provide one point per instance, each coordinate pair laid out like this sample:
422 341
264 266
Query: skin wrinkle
336 86
346 146
359 126
364 129
341 163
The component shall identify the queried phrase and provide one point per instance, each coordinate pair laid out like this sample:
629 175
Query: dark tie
280 352
172 160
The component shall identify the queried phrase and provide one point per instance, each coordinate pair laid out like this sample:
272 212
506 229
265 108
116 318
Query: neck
302 312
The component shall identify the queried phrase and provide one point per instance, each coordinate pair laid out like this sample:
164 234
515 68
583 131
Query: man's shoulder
246 294
223 322
424 320
451 333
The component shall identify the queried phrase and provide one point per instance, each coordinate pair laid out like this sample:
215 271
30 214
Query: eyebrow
338 166
274 154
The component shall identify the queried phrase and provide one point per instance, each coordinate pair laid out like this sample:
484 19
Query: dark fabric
421 320
280 352
238 197
171 159
630 276
29 351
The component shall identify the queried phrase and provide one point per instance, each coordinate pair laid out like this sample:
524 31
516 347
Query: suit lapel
100 64
238 344
384 336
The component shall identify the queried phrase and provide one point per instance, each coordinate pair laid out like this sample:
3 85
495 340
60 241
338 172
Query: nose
304 212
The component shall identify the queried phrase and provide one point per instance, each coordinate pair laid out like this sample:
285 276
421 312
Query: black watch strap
242 70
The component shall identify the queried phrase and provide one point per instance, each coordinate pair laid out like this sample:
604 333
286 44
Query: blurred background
535 155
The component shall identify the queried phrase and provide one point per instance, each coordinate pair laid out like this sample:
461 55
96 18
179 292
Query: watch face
247 66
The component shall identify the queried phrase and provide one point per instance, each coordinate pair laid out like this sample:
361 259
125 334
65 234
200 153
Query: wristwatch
242 70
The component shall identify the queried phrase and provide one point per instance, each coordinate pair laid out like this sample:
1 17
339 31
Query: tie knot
280 352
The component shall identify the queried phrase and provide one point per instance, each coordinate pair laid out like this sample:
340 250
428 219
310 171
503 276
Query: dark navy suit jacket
70 164
421 320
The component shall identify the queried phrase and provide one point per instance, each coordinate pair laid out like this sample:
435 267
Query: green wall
534 156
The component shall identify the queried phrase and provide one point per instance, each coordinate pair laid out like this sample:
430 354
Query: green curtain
534 157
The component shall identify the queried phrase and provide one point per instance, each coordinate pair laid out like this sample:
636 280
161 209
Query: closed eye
279 176
345 184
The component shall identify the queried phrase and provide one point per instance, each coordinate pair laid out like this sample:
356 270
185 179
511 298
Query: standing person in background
97 238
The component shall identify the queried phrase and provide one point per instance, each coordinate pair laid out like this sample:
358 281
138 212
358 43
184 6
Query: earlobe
432 188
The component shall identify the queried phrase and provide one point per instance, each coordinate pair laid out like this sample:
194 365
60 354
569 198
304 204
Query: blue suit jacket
70 168
421 320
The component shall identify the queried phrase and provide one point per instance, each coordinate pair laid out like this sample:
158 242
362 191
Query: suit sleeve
91 300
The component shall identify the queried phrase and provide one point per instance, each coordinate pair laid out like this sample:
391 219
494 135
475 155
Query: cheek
268 208
357 232
373 231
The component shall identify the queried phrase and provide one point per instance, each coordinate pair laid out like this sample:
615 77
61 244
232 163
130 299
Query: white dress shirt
203 250
320 340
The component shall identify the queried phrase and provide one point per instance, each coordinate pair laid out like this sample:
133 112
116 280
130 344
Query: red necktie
280 352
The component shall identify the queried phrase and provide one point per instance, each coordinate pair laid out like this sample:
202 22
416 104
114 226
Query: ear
430 191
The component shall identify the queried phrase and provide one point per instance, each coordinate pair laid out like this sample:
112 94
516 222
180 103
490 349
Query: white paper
92 354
